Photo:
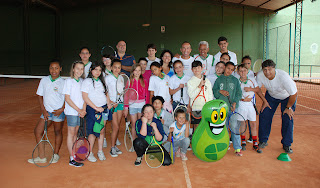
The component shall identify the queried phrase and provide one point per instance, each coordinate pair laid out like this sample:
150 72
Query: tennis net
18 95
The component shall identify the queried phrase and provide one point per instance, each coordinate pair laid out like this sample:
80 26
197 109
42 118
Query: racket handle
181 92
204 77
255 108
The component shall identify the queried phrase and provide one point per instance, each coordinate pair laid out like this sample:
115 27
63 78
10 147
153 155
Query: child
75 106
145 128
227 85
223 45
136 82
194 87
158 86
107 59
94 94
180 133
246 60
185 58
162 114
178 82
151 51
85 55
220 66
117 109
246 107
146 74
51 102
166 62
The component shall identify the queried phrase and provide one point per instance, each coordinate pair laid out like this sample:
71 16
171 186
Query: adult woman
166 62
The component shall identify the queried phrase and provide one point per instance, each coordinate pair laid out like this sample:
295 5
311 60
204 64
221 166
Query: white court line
309 108
186 174
309 97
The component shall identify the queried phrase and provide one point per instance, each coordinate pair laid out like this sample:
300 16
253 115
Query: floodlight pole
297 39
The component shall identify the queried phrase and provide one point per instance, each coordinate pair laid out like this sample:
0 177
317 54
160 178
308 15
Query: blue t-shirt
171 72
150 132
126 60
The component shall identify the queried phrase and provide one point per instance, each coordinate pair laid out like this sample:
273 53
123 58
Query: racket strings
43 154
237 124
81 149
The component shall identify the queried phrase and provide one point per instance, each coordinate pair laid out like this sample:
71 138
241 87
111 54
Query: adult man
281 89
185 58
223 45
205 58
126 60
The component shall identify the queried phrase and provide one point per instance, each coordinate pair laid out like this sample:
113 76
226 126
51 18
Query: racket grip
181 92
204 77
255 108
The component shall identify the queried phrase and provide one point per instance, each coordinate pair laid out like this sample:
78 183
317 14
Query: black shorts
195 114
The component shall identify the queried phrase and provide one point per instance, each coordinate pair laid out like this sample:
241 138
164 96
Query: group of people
162 83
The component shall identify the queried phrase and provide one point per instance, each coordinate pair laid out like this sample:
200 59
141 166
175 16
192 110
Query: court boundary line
308 97
186 174
309 108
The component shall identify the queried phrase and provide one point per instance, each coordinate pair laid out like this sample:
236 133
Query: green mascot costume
210 140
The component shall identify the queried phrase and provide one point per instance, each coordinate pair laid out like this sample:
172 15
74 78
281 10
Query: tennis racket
199 99
128 142
172 151
108 50
81 147
183 106
42 154
257 66
154 154
253 100
236 123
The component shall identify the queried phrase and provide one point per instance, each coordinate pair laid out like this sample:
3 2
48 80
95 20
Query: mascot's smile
216 128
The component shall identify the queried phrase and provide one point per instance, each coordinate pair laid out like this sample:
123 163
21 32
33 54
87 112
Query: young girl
219 69
107 59
85 55
164 116
94 94
51 102
158 85
180 133
166 62
136 82
117 109
75 106
146 127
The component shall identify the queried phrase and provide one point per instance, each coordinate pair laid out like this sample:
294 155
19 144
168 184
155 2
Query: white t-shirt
206 63
87 69
250 75
72 87
280 87
212 78
111 82
253 84
174 83
233 58
150 62
187 63
160 87
96 93
51 91
178 134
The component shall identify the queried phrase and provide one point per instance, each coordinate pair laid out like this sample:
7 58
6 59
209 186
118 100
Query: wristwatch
288 108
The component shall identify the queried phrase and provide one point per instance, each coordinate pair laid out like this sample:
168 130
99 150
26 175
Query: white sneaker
118 143
113 152
101 156
131 149
55 158
183 156
178 154
91 158
104 143
37 160
118 150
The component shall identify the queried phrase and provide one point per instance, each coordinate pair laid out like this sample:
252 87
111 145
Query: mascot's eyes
223 114
214 116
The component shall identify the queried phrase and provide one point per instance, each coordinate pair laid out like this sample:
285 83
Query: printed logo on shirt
221 86
98 116
231 85
167 84
55 89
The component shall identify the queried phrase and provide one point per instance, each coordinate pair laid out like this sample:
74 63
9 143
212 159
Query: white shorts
247 111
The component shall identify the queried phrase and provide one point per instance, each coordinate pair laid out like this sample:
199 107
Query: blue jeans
265 121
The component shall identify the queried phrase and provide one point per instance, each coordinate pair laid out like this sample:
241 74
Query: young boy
246 60
178 82
51 101
180 133
85 55
220 66
223 45
151 51
227 86
195 85
248 88
185 58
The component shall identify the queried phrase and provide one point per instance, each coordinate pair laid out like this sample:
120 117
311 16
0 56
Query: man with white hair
205 58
